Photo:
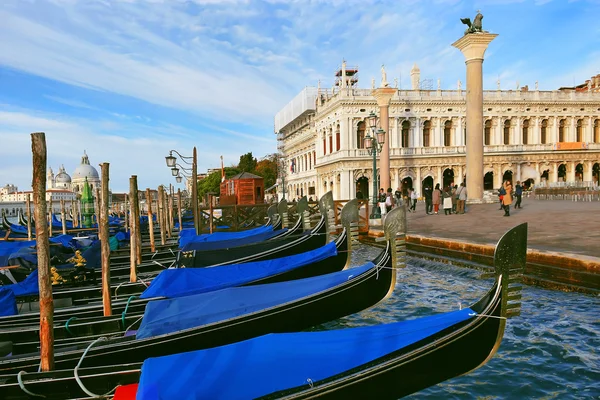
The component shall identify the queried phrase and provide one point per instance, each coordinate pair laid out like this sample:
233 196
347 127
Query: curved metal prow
326 208
282 209
272 214
349 218
302 210
394 230
510 257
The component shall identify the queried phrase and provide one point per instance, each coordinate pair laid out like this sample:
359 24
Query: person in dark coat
427 193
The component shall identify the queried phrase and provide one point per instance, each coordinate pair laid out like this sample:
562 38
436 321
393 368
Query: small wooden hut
242 189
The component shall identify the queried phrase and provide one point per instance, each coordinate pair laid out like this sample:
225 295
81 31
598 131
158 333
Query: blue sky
129 80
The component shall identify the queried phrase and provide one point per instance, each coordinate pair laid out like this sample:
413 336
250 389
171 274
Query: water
551 351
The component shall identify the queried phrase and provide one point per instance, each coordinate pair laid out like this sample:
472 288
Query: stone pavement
560 226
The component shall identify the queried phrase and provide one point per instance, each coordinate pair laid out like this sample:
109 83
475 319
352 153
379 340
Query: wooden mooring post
132 230
150 220
166 213
179 209
161 214
171 225
126 216
48 216
104 241
38 148
28 205
63 217
210 216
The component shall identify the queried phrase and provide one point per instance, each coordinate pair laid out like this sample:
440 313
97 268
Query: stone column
554 132
571 135
570 171
589 135
344 133
497 176
459 179
440 178
587 171
518 174
383 96
345 182
418 185
473 47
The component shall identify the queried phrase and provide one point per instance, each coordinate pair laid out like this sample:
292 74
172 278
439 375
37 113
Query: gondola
280 307
21 218
382 361
293 269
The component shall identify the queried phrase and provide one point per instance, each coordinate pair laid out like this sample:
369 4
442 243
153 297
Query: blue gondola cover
274 362
172 315
173 283
8 302
188 235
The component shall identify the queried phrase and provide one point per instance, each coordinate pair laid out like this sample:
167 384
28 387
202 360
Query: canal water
551 351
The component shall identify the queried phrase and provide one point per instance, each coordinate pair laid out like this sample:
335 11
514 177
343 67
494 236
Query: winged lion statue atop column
475 26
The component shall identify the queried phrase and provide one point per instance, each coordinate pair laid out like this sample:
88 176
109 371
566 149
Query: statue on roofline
474 27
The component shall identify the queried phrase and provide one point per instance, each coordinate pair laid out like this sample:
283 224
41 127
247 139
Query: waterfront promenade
561 226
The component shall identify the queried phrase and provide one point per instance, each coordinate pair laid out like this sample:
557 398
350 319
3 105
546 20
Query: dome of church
62 176
85 170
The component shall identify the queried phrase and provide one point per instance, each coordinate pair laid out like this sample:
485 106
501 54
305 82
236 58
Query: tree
267 168
247 163
212 183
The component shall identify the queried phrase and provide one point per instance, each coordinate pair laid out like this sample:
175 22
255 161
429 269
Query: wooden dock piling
28 205
150 220
104 241
133 230
38 147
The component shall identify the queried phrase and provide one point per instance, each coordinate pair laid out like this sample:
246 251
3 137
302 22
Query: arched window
525 131
561 130
448 133
337 138
324 143
487 132
506 132
579 130
405 130
331 140
426 133
544 136
360 135
597 131
314 158
309 161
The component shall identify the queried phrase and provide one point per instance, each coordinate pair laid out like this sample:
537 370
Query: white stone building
542 137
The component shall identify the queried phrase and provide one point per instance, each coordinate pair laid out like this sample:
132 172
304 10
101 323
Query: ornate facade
542 137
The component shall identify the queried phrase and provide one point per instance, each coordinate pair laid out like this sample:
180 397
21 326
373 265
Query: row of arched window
303 162
506 137
544 136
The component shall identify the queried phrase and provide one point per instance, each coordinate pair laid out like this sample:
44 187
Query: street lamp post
374 143
171 163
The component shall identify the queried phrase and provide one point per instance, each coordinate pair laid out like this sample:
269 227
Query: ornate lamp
381 136
170 160
372 118
178 178
368 140
175 171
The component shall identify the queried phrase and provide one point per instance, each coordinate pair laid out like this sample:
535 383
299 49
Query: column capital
383 96
474 45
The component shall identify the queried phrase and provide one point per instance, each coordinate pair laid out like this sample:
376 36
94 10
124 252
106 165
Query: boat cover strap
172 315
172 283
275 362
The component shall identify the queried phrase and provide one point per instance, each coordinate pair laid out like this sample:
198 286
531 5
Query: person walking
447 195
413 199
454 198
428 203
437 194
518 194
507 198
462 198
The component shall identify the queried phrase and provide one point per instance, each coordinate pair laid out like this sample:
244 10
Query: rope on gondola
67 325
22 385
130 326
76 373
124 313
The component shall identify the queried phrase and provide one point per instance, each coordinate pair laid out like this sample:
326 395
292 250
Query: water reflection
550 351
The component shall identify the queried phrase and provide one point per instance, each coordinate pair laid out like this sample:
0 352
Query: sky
129 80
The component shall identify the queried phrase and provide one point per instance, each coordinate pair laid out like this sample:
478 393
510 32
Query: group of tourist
452 199
505 194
